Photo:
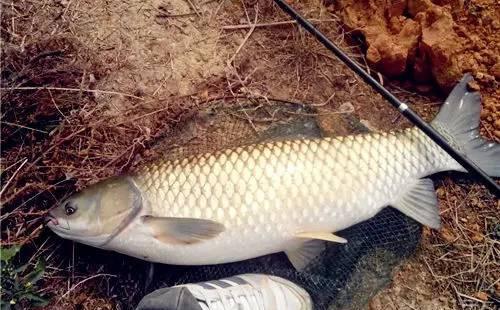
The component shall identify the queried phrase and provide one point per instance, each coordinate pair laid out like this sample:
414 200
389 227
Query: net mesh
344 276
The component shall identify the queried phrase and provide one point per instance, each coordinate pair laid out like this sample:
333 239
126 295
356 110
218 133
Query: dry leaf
482 296
447 235
478 237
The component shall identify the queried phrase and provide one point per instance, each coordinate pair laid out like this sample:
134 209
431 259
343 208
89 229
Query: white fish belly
267 193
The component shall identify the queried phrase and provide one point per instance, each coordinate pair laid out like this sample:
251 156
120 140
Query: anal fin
420 203
301 256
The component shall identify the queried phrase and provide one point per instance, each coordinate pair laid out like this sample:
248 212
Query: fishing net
344 276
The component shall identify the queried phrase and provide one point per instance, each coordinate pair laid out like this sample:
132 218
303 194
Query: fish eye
69 209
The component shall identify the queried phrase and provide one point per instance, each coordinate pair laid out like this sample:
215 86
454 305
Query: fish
289 195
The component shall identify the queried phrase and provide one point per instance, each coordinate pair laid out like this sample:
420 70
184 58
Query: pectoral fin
321 236
175 230
301 256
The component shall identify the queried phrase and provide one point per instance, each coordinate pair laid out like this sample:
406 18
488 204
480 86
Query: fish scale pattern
277 188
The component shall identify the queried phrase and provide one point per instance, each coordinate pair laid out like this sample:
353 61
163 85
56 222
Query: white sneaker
242 292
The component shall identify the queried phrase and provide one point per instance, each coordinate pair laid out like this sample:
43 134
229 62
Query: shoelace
236 298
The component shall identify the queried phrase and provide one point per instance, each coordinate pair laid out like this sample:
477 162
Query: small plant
19 283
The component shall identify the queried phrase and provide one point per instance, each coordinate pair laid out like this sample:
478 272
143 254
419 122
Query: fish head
97 212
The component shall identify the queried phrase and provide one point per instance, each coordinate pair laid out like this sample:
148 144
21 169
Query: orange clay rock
391 50
439 46
413 37
391 38
495 70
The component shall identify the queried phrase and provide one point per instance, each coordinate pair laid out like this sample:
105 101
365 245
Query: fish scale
281 188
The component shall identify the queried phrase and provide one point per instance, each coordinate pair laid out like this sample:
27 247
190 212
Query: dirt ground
123 75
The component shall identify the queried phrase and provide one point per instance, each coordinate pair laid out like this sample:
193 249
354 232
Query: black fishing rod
469 165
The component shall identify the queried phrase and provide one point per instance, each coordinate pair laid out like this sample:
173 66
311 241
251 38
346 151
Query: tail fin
458 121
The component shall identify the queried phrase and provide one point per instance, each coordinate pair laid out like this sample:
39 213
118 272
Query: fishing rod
403 108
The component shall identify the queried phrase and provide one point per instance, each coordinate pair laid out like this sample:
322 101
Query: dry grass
464 257
54 130
58 136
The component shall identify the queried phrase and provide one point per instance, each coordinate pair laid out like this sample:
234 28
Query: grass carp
290 196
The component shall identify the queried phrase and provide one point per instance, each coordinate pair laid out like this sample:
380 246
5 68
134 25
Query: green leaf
6 254
36 274
21 269
35 300
17 282
41 302
5 305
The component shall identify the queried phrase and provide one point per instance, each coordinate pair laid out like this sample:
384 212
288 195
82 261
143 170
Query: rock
441 45
387 57
477 56
396 7
473 85
455 4
359 14
487 78
425 45
468 63
497 134
417 6
391 40
422 71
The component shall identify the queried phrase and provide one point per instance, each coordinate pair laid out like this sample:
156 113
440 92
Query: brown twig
83 281
12 177
22 126
214 13
230 61
195 9
97 91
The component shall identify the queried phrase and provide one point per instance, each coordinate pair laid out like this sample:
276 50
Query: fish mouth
62 228
50 220
56 224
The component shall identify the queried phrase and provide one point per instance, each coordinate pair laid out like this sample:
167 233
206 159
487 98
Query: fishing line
403 108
